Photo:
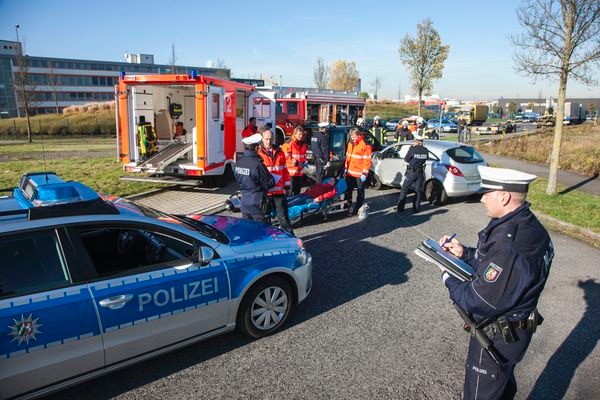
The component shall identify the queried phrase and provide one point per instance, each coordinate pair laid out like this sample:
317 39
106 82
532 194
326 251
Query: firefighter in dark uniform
415 158
319 145
512 261
254 180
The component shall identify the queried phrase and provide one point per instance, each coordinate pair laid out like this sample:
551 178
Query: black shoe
415 211
399 209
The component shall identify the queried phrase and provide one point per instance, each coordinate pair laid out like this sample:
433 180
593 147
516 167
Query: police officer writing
358 163
254 180
415 158
512 260
274 160
319 145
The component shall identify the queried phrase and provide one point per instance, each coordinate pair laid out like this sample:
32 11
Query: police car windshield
189 223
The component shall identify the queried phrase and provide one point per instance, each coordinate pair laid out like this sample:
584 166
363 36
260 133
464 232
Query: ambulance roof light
193 74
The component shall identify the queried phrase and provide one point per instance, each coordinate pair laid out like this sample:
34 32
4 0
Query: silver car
450 170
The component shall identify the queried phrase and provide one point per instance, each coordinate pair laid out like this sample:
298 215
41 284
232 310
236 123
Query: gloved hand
363 178
327 165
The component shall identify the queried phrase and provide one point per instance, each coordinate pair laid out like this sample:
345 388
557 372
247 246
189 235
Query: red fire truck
306 107
175 126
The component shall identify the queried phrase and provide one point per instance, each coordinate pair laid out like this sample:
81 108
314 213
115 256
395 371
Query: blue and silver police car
91 283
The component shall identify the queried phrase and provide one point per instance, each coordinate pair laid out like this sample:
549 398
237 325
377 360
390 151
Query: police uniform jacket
254 180
416 157
319 146
512 261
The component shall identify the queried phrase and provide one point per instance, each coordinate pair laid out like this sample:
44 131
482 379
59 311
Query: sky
283 39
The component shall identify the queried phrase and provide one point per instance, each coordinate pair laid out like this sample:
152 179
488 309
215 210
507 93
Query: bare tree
320 75
224 71
24 88
561 39
376 86
424 57
173 60
54 83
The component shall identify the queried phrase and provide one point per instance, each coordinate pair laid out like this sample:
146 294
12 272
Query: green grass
575 207
53 144
394 110
102 174
93 122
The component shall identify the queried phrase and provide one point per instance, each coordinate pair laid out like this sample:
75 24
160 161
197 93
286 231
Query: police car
90 283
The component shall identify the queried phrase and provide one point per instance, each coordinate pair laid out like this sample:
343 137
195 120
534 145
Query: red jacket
249 131
295 155
274 160
358 158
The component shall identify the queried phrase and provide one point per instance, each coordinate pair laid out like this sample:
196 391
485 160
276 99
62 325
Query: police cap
252 139
509 180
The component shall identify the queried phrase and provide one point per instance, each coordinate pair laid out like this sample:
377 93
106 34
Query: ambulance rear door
215 126
263 107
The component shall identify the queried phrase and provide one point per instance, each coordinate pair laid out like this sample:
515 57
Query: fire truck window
292 108
279 108
215 106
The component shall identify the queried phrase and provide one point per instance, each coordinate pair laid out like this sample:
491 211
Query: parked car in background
391 125
338 139
450 170
91 284
530 117
442 125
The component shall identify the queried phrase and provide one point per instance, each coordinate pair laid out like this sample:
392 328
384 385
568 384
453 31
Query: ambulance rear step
166 156
167 180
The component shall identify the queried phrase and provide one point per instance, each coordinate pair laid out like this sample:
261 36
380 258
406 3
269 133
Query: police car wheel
265 307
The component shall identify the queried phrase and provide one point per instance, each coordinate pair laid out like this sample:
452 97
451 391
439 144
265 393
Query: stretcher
322 198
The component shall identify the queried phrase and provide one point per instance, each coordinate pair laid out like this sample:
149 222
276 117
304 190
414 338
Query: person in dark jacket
416 157
319 145
403 133
512 261
254 179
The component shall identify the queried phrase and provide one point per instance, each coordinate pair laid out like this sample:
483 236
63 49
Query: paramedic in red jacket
274 160
358 163
295 155
251 129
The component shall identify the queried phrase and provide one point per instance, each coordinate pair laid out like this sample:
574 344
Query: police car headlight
301 253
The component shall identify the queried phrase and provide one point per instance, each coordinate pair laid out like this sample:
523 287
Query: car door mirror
206 255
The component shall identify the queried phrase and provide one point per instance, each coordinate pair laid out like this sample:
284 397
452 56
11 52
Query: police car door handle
116 302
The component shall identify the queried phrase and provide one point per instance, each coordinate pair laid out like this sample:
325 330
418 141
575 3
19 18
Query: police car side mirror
204 255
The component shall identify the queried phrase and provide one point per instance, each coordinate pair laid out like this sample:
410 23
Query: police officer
254 180
415 158
512 261
319 145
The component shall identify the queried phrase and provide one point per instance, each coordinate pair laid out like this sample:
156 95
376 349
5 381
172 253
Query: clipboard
431 251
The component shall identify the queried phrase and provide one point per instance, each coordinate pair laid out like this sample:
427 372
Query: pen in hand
448 240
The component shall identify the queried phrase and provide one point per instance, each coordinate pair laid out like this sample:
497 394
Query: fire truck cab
298 108
185 125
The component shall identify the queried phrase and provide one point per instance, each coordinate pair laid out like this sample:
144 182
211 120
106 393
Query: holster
533 320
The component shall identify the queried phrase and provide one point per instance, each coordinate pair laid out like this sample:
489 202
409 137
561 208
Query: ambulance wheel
265 307
435 192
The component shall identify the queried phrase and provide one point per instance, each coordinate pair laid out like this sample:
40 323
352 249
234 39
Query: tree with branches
561 40
24 88
320 74
54 84
343 75
423 56
223 71
376 86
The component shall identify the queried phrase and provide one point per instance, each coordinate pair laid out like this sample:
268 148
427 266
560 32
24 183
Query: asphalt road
378 324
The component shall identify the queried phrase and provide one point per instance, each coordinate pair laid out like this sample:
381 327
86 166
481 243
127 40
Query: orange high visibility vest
275 163
295 156
358 158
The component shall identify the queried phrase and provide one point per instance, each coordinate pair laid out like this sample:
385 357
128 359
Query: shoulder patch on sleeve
492 272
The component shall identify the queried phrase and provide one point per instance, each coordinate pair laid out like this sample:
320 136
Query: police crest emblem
24 329
492 272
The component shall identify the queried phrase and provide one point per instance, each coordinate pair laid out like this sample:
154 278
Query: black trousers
279 203
352 183
320 170
484 379
256 217
414 181
295 184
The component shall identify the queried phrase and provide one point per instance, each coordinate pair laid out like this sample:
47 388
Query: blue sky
284 38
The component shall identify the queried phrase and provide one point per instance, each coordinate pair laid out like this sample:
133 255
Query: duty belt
415 168
493 326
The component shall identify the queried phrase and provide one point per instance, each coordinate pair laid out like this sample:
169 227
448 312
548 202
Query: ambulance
172 127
